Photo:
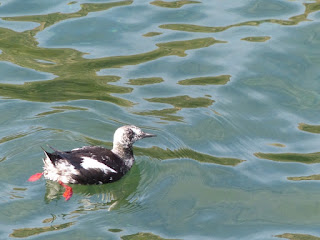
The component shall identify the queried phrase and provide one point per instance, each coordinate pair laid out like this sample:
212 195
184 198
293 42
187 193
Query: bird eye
130 134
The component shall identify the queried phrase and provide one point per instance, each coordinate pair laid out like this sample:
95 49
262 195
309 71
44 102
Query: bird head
127 135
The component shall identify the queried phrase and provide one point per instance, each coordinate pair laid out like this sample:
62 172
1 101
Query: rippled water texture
231 88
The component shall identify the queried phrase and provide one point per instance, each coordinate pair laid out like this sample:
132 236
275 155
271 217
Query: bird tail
45 152
51 158
59 153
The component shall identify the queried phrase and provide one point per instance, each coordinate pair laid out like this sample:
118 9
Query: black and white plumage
92 164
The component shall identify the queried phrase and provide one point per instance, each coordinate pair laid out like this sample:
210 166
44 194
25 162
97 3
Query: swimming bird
92 164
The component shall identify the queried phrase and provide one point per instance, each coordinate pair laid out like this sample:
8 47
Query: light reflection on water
230 89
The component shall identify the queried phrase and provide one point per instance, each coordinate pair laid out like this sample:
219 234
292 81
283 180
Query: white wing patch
88 163
81 148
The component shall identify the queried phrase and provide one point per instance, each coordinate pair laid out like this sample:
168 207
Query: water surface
230 88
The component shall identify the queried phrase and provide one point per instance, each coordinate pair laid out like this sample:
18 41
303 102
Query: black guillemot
92 164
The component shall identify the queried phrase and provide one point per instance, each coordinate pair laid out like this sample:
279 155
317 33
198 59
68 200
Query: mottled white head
126 136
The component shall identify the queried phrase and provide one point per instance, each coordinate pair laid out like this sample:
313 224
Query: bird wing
97 165
89 157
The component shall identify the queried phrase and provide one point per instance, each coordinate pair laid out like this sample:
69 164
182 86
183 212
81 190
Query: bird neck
125 153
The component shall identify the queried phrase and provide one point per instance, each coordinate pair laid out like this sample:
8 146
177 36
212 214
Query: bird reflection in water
107 196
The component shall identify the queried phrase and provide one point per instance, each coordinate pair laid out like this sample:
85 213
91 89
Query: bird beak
146 135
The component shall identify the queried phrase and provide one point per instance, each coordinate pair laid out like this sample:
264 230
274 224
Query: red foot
35 177
68 192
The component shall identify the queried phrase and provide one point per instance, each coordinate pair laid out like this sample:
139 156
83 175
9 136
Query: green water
231 88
